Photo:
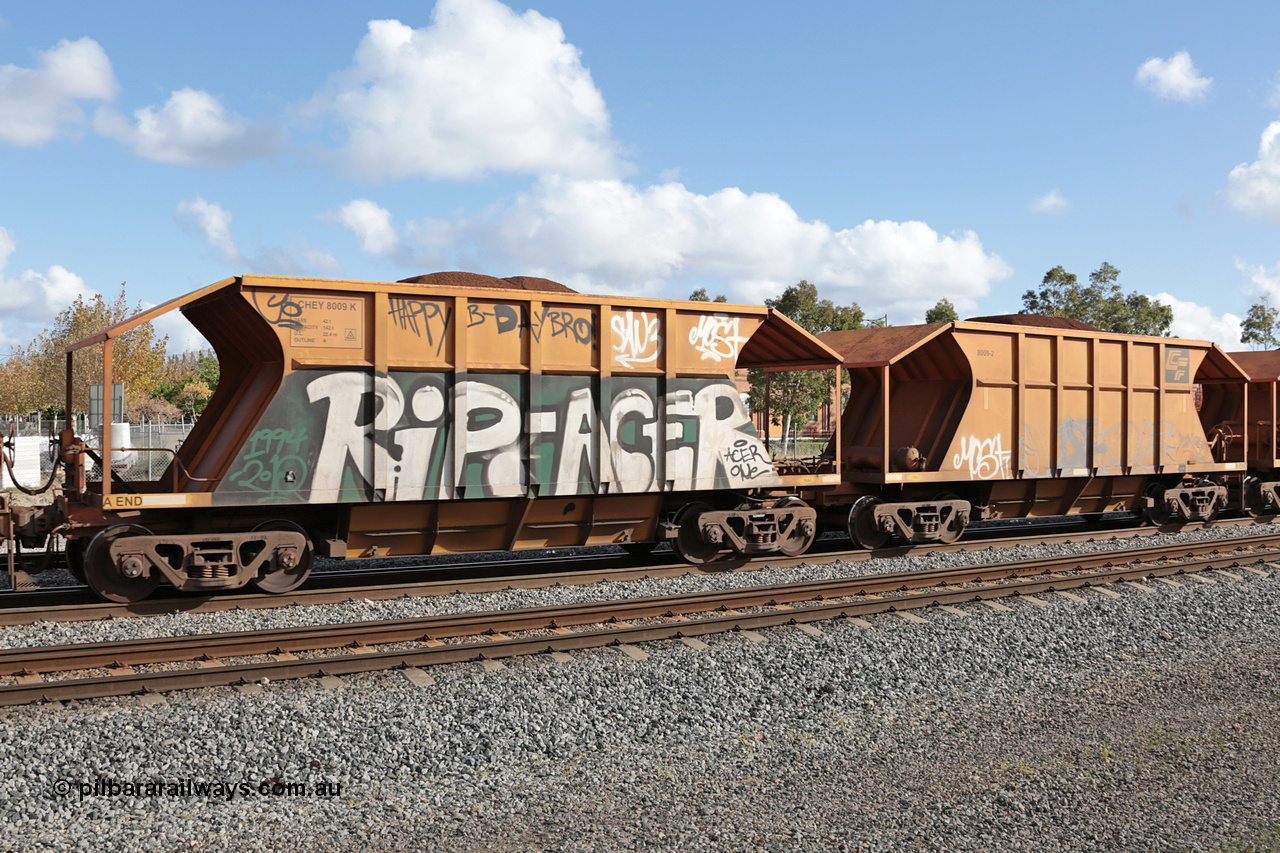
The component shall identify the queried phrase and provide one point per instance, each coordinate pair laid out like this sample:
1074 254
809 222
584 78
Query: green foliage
1259 328
795 396
1101 303
943 312
39 372
700 295
190 380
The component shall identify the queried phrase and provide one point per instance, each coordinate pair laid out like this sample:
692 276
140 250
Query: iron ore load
456 412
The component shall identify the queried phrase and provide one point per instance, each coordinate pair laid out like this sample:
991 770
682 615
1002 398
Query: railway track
77 603
486 636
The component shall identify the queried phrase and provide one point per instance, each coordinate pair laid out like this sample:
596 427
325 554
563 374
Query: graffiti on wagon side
431 436
983 458
716 337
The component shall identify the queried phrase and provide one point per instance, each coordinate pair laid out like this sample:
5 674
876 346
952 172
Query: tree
143 408
796 396
19 392
139 354
1259 328
193 397
189 381
1101 303
700 295
943 312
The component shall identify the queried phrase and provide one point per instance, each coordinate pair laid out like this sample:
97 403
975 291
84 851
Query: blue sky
893 154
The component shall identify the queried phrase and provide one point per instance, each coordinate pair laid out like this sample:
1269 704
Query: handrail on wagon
174 469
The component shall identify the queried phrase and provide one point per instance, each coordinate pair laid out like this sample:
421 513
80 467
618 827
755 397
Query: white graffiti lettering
716 337
413 437
579 446
637 340
494 437
985 458
635 466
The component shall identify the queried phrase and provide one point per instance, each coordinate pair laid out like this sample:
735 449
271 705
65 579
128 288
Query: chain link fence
141 452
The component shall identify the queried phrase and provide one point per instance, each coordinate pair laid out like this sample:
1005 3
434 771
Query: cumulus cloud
30 299
1051 202
370 223
32 295
1200 322
193 128
608 236
182 336
1254 188
481 89
1175 78
38 104
1266 280
212 223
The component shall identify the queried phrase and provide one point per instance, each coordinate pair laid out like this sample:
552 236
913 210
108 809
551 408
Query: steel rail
781 600
24 608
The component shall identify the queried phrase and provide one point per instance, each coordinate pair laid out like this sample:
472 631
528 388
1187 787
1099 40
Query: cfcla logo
1177 365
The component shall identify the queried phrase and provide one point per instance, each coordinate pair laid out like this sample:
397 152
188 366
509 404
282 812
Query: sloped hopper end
251 366
930 381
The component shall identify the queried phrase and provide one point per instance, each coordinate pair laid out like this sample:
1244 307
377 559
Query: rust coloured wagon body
1251 432
443 414
950 422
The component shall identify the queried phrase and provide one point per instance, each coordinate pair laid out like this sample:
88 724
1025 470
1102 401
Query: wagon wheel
955 527
1255 505
276 579
104 575
689 544
802 533
862 524
1156 515
73 555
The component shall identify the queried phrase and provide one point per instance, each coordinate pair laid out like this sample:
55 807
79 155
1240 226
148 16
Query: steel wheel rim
798 542
862 527
689 544
286 580
1157 517
102 575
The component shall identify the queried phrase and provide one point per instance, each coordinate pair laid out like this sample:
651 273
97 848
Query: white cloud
1051 202
36 296
182 336
1175 78
1273 98
38 104
30 299
1255 187
371 223
610 236
481 89
212 222
1266 280
193 128
1199 322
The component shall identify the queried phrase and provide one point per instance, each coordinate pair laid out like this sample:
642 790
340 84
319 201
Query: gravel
1148 722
